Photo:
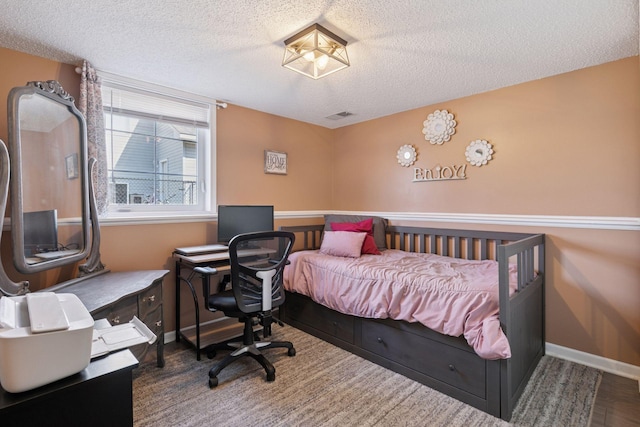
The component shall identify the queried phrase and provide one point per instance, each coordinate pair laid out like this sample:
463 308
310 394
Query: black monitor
40 232
236 219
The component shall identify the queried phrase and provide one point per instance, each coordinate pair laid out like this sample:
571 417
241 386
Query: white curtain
91 106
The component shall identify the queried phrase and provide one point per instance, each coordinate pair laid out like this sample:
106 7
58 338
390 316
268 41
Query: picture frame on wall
275 162
71 165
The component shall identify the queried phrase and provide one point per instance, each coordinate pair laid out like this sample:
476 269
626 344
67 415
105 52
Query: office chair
257 262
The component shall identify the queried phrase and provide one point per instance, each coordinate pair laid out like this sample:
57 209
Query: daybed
446 363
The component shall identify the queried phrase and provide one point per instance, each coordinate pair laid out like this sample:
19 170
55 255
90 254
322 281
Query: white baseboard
607 365
170 336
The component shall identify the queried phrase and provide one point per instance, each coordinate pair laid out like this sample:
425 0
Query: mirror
49 178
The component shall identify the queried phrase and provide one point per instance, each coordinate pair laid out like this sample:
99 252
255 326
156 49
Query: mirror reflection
49 179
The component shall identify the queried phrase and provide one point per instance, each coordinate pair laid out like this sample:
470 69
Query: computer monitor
40 232
239 219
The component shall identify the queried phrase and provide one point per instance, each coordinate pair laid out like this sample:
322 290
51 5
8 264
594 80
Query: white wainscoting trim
590 222
594 222
607 365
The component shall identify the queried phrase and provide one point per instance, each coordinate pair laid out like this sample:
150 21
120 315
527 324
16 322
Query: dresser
118 296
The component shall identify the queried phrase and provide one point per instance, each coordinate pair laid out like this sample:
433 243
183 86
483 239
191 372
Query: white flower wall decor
439 127
479 152
406 155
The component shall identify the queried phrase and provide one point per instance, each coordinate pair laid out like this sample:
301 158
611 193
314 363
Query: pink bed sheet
451 296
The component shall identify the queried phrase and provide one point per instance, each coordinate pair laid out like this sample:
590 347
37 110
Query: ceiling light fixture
315 52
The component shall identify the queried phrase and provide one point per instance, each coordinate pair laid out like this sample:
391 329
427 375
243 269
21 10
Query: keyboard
56 254
200 250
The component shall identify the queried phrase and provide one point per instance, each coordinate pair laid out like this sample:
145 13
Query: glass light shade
315 52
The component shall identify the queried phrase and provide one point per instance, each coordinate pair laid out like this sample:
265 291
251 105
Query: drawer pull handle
380 340
150 298
116 320
452 368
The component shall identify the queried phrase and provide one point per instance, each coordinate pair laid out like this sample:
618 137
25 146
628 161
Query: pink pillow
342 243
369 245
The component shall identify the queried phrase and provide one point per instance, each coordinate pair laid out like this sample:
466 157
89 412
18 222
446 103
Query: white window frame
206 163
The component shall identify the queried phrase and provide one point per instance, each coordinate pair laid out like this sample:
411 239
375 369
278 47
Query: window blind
134 102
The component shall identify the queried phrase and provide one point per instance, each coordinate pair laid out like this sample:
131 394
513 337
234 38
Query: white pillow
342 243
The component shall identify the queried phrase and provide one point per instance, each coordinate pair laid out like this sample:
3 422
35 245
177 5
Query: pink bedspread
451 296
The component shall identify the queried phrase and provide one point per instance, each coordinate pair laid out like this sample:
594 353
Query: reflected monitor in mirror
47 134
40 232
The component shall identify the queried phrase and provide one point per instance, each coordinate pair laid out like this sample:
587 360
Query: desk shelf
213 332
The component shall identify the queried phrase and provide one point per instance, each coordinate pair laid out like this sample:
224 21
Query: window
159 149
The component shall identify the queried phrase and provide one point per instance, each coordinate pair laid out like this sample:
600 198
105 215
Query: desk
218 330
100 395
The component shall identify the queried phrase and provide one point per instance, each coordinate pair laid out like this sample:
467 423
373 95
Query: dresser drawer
301 309
150 300
121 312
440 361
153 320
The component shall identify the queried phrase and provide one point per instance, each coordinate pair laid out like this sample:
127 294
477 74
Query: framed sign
275 162
71 165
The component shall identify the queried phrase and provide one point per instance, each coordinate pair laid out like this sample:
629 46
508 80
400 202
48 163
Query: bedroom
566 164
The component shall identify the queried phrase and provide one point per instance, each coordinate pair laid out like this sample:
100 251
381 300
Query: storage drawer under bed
301 309
449 364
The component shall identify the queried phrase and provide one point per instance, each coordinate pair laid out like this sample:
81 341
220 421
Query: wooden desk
200 335
100 395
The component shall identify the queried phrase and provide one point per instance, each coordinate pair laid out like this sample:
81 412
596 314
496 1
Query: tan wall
244 134
567 145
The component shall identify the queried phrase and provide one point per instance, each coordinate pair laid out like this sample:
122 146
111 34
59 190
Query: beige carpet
326 386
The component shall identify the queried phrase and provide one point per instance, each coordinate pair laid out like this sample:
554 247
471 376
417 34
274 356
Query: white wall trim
607 365
585 222
592 222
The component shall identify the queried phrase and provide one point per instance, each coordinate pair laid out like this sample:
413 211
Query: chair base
252 350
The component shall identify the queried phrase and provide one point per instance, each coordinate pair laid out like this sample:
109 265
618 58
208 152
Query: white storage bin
31 359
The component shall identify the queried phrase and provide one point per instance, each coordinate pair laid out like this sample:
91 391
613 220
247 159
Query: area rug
324 385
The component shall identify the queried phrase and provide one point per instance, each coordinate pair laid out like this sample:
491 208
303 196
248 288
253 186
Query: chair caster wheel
211 354
291 352
271 377
213 382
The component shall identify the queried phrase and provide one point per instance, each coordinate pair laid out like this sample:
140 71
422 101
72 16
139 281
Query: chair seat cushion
225 302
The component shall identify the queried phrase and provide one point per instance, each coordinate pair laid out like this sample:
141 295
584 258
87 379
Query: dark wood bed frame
447 364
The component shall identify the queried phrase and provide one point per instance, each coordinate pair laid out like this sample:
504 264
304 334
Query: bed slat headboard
467 244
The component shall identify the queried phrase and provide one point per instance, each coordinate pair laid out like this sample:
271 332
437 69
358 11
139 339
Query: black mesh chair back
257 264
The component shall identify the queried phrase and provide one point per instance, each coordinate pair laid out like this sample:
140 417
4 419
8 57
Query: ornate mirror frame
74 166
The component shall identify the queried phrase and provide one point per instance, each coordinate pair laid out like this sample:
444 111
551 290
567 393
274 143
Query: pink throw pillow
342 243
369 245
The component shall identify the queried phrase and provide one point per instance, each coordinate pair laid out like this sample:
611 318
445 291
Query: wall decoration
479 152
439 127
406 155
439 173
275 162
71 165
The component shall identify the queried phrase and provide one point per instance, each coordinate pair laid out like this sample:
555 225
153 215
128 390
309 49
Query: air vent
339 116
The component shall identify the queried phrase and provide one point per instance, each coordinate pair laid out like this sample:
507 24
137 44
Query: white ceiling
404 53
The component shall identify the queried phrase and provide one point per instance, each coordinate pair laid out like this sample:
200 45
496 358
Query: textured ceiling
404 53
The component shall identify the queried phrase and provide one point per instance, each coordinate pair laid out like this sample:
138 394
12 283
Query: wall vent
340 115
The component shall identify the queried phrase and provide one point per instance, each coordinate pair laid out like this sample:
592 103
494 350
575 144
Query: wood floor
617 403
